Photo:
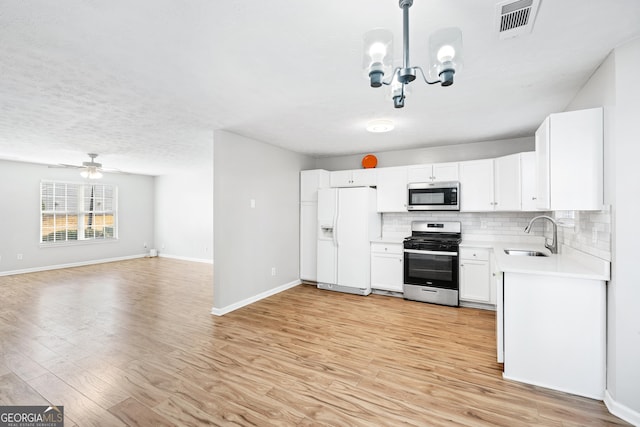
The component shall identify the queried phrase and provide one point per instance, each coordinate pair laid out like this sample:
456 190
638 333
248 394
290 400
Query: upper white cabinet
507 183
569 161
310 181
392 189
437 172
528 178
491 184
354 178
476 185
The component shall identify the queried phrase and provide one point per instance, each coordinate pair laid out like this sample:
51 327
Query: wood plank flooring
133 343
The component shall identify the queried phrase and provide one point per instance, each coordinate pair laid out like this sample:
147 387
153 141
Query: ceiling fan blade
62 165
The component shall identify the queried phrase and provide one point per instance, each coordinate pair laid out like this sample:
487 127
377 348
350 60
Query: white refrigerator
347 222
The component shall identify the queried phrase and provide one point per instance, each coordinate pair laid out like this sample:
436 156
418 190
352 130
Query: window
71 212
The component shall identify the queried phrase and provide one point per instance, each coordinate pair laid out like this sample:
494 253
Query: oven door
436 269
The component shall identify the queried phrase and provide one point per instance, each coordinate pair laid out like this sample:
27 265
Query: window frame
109 193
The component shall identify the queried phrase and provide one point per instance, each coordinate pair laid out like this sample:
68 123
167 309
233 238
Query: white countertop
568 263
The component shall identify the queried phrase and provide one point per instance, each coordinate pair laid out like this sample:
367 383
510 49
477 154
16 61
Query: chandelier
445 58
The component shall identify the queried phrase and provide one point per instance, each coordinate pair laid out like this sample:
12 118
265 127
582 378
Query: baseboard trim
69 265
228 309
184 258
621 411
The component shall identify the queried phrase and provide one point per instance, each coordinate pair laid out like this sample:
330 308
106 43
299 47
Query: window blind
73 212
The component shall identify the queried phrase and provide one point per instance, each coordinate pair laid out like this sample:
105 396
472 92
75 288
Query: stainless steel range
431 262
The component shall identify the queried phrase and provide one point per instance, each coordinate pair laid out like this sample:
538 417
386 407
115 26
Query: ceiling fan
90 169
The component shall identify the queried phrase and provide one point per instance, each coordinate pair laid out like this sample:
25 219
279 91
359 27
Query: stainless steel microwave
434 196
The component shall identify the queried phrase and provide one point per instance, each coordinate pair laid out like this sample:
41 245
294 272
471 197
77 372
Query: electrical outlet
145 246
252 203
20 257
273 271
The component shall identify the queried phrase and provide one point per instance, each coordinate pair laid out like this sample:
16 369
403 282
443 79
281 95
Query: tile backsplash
586 231
590 233
502 224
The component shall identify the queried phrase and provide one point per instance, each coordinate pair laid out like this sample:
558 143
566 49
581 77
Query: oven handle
414 251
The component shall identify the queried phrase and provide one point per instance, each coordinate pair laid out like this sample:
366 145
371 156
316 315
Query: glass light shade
445 53
91 173
378 51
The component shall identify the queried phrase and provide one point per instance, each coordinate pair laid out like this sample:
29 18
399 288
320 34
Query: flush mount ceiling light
92 169
445 57
380 126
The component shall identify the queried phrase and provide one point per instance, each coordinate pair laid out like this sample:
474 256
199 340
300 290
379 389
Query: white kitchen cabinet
528 181
555 332
354 178
392 189
476 285
476 185
507 183
569 161
308 240
437 172
387 265
310 181
491 184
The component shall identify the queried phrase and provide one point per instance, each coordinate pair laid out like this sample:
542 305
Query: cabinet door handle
534 198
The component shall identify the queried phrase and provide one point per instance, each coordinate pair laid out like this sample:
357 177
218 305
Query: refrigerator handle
335 230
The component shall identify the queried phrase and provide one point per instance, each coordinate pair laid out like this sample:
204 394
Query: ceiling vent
515 18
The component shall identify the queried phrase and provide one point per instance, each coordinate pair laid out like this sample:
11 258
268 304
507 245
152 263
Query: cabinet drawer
474 253
387 248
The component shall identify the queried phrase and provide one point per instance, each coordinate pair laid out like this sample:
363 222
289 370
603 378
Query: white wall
20 218
249 242
447 153
184 214
615 86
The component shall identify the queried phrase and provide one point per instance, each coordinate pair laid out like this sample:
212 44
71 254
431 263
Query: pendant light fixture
445 58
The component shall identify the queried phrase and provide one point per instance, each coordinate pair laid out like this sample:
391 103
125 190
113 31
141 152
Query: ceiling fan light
90 173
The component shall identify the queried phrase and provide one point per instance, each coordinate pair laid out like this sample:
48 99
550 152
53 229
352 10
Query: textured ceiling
145 83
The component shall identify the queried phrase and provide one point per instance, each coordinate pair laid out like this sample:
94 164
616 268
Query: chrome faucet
553 247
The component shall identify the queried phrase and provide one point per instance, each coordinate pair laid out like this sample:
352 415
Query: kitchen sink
524 252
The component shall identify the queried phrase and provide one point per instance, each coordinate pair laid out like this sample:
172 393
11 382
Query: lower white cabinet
476 285
387 265
555 332
308 240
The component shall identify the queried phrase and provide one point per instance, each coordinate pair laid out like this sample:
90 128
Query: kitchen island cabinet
552 320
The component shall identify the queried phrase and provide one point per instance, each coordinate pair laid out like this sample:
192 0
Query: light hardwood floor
133 343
